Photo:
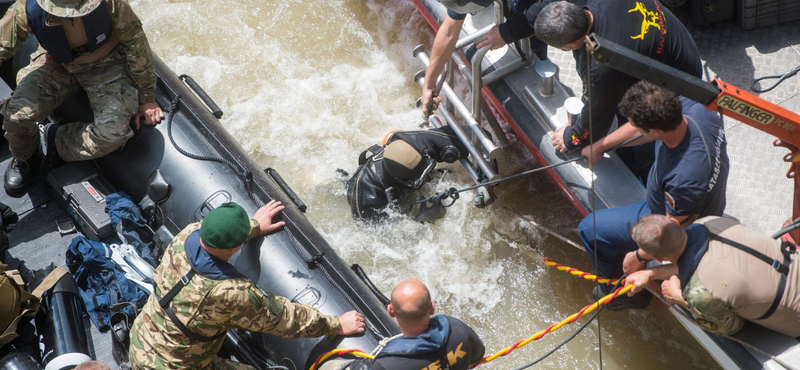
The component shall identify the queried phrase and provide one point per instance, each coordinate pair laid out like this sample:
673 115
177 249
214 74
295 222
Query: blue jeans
613 236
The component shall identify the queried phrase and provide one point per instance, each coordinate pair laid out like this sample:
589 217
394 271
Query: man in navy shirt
446 38
687 180
644 26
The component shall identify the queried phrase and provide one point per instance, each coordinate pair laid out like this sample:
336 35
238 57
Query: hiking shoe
622 302
52 159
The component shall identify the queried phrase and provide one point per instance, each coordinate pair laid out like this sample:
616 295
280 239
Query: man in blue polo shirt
514 29
687 181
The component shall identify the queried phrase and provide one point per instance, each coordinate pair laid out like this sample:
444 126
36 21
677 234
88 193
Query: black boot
18 175
52 159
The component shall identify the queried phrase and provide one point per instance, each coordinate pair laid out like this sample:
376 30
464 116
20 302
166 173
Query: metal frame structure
482 148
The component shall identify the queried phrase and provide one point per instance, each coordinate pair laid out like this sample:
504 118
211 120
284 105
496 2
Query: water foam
306 86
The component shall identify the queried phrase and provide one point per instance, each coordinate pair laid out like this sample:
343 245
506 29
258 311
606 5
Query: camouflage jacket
126 27
709 311
208 307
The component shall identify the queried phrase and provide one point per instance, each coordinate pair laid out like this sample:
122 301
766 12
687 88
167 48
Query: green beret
226 227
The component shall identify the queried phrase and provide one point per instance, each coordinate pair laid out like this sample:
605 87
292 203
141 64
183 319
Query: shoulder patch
669 199
707 324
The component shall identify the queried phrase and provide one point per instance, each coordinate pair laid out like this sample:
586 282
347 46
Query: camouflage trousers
44 85
223 364
217 363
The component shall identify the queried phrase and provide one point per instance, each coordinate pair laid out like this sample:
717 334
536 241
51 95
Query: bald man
438 342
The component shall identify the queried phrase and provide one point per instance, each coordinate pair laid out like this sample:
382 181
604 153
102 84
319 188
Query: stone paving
759 194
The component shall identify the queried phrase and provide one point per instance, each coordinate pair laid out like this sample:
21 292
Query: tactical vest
752 273
191 243
96 25
165 301
441 144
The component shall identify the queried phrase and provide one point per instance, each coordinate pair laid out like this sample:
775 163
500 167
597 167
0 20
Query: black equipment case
83 189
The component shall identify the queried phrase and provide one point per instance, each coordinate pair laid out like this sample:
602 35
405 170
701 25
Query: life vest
97 25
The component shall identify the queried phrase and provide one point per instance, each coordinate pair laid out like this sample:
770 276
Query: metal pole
462 110
485 167
498 12
469 39
498 131
449 80
477 83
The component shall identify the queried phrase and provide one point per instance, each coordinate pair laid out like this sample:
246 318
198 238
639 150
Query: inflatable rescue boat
182 169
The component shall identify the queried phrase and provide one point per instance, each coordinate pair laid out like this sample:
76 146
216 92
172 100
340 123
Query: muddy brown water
307 85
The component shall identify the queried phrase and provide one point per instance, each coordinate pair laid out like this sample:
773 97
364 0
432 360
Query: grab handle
212 106
363 276
273 173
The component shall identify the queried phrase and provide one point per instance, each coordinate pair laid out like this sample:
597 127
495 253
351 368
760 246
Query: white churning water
307 85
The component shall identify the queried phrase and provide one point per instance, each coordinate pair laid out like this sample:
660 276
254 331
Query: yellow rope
340 352
585 311
579 273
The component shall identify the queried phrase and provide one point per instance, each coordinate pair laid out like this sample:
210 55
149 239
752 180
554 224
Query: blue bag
100 282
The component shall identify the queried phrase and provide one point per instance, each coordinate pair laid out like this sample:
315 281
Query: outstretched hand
351 323
265 214
492 39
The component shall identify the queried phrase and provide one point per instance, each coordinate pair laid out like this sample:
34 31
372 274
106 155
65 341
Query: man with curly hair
687 180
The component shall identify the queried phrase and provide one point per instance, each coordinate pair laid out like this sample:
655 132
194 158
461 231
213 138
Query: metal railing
473 73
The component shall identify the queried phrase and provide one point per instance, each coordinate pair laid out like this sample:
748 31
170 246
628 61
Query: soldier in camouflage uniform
723 272
188 331
97 45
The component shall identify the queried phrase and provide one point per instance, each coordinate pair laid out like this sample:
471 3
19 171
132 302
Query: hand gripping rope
504 352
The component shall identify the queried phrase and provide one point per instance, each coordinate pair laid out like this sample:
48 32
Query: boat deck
759 193
37 241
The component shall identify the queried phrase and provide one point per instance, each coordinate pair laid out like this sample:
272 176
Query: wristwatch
639 257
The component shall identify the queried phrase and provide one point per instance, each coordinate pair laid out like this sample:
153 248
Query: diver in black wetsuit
387 174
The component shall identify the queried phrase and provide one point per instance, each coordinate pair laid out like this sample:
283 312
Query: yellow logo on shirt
649 19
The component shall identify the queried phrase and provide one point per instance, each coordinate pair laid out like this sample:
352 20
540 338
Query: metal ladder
481 148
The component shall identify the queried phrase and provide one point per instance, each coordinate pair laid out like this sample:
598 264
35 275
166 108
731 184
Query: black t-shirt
644 26
461 347
692 177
